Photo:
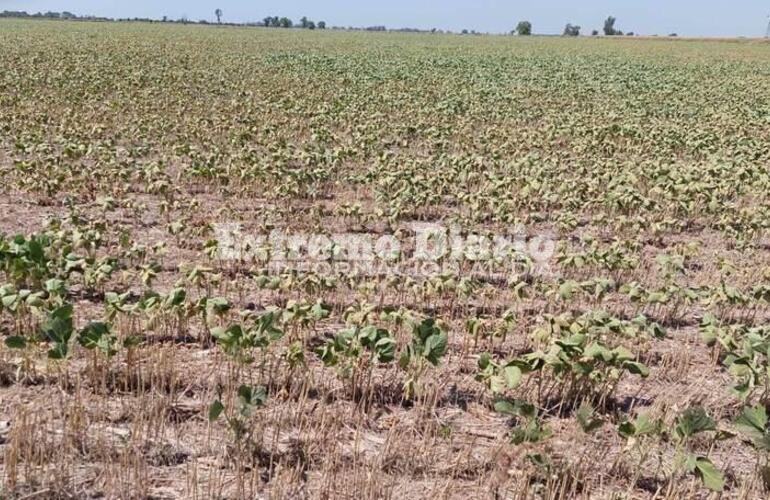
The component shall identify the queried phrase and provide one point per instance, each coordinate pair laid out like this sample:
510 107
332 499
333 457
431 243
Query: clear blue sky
686 17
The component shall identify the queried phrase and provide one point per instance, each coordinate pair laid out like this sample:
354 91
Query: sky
685 17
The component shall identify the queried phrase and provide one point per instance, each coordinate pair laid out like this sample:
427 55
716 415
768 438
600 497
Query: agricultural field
188 308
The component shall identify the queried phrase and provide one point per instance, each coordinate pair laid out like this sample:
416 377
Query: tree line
523 28
50 15
285 22
270 21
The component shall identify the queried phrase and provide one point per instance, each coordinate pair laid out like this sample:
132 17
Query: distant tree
14 13
571 30
275 21
165 19
630 33
285 22
304 22
673 35
464 32
218 13
609 27
595 33
524 28
310 25
321 25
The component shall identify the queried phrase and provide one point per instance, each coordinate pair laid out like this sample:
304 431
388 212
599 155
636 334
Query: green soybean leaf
16 342
215 410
